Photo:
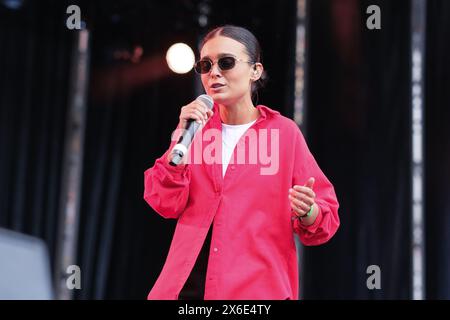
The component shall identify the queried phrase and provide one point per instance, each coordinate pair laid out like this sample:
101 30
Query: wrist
308 214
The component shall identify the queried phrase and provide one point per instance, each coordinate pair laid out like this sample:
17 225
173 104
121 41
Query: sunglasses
224 63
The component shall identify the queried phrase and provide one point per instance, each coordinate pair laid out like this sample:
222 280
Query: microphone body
182 146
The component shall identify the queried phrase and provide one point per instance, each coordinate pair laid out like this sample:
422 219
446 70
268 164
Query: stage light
180 58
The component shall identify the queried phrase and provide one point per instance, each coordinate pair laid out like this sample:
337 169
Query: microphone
181 148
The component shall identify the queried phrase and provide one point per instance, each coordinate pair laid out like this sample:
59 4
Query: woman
236 219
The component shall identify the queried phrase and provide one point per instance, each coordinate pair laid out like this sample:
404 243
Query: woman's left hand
302 198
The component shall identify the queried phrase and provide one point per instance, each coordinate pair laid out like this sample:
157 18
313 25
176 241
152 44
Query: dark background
358 128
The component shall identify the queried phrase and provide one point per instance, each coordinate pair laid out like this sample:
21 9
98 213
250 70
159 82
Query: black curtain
359 129
35 52
437 139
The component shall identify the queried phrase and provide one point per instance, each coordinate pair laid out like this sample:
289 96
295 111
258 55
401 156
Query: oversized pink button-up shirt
253 252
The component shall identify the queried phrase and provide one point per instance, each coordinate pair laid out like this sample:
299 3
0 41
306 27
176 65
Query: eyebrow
220 55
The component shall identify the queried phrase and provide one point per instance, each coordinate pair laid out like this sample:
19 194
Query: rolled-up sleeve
166 188
327 221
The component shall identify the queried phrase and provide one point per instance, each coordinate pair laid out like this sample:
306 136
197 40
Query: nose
215 70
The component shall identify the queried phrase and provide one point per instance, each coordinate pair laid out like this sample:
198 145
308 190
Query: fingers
301 209
191 114
301 198
196 110
304 190
201 104
310 183
206 112
198 116
304 199
301 204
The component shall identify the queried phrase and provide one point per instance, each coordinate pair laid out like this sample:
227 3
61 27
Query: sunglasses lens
226 63
202 66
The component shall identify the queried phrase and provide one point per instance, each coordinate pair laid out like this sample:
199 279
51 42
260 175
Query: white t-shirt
230 137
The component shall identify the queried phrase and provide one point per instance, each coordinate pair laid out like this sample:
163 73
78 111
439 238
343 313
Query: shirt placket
215 253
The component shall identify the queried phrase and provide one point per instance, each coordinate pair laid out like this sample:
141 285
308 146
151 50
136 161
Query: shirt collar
265 112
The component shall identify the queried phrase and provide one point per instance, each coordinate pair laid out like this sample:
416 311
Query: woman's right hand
196 110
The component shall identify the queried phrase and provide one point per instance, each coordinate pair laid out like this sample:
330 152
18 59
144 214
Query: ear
257 71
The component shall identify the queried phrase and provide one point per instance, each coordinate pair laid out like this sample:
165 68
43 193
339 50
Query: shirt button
233 167
215 249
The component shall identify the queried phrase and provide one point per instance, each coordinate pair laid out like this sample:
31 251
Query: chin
219 97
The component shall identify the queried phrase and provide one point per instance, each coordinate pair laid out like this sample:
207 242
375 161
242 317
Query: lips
216 85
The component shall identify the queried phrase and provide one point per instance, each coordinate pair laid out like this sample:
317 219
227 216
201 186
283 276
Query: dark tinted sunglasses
224 63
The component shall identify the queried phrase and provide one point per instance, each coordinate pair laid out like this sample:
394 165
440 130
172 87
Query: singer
234 234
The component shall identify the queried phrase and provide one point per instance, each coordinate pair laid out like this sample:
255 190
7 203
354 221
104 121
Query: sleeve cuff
316 222
173 169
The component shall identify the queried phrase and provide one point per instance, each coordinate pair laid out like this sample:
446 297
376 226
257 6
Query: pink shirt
252 253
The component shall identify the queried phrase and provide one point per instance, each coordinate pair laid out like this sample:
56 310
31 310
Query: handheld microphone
181 148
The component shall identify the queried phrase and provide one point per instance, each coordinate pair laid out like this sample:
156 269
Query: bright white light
180 58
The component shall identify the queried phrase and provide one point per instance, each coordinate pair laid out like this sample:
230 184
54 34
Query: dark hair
250 43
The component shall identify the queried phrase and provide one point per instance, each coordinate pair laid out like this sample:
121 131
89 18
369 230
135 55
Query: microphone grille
206 100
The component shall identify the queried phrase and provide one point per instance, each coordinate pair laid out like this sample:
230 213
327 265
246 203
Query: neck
240 112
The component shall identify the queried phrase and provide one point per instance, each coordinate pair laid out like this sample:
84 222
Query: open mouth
216 85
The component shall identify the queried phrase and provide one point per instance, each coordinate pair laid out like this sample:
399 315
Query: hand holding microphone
192 116
198 110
